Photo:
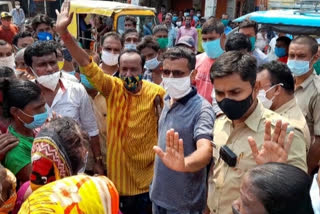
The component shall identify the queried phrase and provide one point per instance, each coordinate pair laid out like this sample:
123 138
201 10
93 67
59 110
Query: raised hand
276 147
173 157
63 18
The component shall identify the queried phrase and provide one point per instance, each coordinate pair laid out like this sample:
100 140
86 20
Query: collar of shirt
288 105
184 99
255 117
307 81
252 121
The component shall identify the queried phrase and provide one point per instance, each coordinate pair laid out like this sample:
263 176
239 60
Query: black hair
238 42
20 35
159 28
17 93
307 40
285 40
131 30
181 53
279 73
212 25
41 19
131 51
114 35
248 24
73 138
235 62
38 49
281 188
131 19
6 72
148 42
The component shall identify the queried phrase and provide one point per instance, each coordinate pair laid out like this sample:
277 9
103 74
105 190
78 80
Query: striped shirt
131 131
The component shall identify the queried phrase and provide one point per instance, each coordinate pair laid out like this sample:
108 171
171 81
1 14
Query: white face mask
178 24
177 87
108 58
152 63
49 81
315 195
262 96
18 6
7 61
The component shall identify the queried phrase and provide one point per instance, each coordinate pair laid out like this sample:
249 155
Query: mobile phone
228 156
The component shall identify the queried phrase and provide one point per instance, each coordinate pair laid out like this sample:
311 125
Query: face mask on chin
262 96
234 109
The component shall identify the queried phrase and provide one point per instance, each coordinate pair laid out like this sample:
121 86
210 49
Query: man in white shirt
63 96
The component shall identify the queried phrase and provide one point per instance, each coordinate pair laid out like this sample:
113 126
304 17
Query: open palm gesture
276 147
173 157
63 18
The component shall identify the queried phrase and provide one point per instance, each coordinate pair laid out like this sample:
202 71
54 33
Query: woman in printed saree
80 194
58 151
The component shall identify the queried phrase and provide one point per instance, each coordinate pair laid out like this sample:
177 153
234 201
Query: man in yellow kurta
131 122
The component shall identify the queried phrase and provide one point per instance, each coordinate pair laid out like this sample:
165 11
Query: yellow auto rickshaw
110 13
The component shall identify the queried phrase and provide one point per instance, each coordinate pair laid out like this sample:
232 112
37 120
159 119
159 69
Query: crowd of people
181 118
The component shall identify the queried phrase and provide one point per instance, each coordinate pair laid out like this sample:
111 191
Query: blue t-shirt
193 118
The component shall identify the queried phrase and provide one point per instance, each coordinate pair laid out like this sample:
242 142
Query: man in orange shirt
7 30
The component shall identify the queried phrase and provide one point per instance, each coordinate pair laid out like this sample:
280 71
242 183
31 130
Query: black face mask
235 109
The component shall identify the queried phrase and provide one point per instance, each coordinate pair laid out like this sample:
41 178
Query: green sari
20 156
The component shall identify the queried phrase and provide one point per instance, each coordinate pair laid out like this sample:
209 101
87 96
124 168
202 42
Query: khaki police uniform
292 111
308 99
224 181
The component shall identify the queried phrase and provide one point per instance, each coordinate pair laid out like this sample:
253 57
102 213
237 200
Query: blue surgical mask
38 119
253 42
213 48
298 67
84 80
152 63
130 46
174 18
45 36
280 52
